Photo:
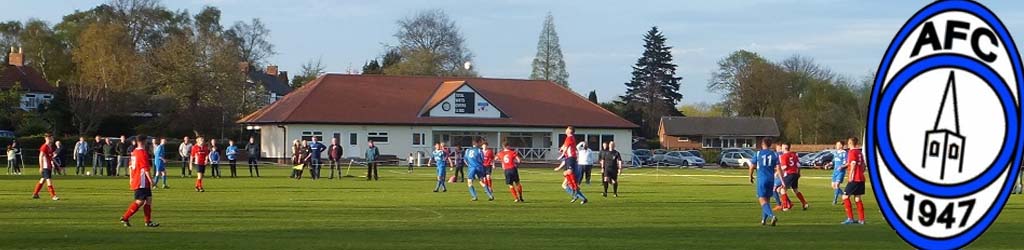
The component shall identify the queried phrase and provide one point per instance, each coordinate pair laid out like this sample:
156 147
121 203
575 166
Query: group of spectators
110 157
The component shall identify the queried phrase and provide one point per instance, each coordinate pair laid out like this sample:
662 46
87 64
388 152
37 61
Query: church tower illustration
944 146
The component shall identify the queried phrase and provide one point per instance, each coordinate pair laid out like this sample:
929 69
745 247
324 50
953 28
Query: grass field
657 209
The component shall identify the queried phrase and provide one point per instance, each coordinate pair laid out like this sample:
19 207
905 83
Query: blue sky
600 39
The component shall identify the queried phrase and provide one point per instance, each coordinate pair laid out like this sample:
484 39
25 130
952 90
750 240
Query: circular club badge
944 125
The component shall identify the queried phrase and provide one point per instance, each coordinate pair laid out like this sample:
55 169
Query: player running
790 164
46 167
475 161
440 157
611 166
138 172
767 166
510 163
198 154
855 188
838 170
488 164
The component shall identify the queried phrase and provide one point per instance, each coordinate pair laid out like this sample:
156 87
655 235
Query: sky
601 40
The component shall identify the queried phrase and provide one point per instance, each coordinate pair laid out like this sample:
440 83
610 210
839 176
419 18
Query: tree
252 40
430 44
310 70
702 110
372 68
592 96
726 81
654 88
548 64
44 51
107 69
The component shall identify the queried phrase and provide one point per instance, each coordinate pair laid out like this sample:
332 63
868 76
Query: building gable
459 99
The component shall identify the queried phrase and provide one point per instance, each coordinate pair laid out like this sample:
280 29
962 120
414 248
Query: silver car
679 158
736 159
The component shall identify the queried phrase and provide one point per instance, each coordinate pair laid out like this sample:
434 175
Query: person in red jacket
140 183
200 151
46 168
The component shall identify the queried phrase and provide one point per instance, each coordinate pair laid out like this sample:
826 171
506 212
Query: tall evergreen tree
654 89
593 96
548 64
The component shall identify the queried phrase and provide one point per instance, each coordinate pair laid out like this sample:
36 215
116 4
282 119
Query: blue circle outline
904 77
891 217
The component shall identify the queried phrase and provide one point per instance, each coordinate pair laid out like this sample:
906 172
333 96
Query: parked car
823 158
730 150
7 134
641 157
735 159
808 159
678 158
659 151
695 153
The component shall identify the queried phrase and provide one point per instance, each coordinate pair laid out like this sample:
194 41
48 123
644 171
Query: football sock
860 210
472 191
147 212
778 201
615 188
800 196
849 210
39 186
52 192
519 189
766 210
569 191
513 191
489 192
835 197
134 207
580 195
605 184
786 203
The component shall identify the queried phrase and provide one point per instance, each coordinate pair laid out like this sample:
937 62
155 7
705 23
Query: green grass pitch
657 209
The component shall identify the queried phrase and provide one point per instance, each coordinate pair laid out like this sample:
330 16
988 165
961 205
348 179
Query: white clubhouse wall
275 140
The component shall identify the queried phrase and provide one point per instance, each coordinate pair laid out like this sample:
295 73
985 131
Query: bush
711 156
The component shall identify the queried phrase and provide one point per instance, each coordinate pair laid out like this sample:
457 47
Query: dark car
641 157
822 159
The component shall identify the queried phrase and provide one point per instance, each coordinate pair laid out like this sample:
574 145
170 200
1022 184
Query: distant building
678 132
404 114
37 91
273 82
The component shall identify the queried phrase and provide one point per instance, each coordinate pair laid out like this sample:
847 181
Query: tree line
811 103
178 72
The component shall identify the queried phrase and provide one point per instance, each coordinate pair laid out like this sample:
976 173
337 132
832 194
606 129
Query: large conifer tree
654 89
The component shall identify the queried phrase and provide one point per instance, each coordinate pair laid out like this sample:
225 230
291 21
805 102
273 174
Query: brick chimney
272 70
16 59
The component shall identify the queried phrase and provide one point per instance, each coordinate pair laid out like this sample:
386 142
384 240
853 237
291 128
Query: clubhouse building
406 114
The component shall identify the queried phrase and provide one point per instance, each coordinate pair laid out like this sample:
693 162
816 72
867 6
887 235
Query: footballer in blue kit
766 164
474 158
440 158
838 171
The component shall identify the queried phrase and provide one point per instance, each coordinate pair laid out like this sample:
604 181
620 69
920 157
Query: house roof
400 100
270 83
719 126
30 79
